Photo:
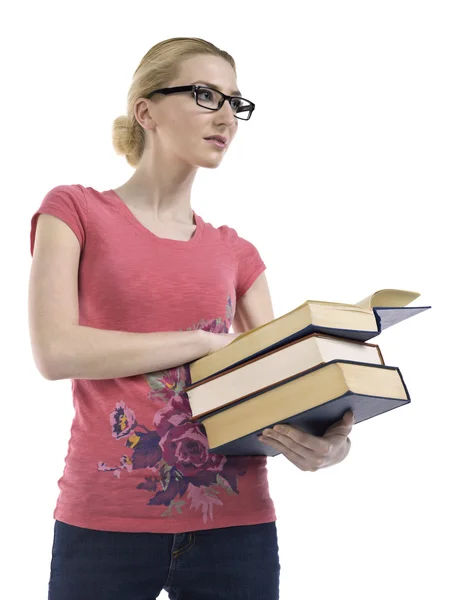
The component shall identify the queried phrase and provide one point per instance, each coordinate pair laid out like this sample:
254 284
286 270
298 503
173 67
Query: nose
225 112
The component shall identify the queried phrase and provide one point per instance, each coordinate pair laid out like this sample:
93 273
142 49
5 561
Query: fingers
287 443
310 442
301 457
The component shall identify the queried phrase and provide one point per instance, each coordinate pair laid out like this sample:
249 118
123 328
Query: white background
340 179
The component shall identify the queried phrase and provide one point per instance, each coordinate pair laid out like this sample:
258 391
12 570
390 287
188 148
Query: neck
161 188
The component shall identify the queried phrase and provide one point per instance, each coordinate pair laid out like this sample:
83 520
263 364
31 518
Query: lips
220 138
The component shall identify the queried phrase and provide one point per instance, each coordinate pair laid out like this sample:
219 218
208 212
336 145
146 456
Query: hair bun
122 135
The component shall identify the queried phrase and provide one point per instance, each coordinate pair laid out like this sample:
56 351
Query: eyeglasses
212 99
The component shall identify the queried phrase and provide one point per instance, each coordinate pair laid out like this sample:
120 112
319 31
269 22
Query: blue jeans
233 563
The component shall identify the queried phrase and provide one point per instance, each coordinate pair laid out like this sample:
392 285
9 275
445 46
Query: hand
220 340
309 452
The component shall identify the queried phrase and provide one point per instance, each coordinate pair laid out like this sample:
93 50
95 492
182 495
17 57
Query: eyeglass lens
209 98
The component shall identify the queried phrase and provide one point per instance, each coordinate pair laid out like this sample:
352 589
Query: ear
145 113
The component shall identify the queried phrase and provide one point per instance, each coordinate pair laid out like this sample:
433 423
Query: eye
205 93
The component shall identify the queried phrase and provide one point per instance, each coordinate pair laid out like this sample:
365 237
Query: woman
127 287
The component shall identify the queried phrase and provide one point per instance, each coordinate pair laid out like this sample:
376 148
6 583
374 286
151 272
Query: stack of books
306 369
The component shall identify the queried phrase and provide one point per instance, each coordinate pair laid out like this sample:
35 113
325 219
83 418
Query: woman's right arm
63 349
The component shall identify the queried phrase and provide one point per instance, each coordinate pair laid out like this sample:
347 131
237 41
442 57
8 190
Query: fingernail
279 428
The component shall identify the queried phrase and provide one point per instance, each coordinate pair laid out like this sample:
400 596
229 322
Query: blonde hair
160 65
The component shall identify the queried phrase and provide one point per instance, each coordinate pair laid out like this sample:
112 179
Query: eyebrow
212 85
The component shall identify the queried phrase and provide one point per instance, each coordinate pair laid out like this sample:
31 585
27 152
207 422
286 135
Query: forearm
88 353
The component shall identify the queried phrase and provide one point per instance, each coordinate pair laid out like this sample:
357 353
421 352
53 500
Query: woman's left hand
309 452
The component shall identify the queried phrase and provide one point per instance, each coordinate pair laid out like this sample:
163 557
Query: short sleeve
249 265
68 203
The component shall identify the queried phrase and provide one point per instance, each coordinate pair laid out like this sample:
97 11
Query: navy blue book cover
316 420
385 317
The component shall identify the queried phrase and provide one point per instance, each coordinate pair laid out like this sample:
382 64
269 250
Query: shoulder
68 195
68 203
85 201
229 236
224 232
73 189
244 252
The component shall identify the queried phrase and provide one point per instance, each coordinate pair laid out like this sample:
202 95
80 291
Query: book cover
310 317
314 420
292 359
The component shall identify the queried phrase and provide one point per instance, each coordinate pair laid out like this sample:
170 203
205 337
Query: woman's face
177 125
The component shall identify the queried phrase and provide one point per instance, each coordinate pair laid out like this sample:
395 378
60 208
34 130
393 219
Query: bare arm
87 353
255 308
63 349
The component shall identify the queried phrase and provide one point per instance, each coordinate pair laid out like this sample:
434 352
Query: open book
361 321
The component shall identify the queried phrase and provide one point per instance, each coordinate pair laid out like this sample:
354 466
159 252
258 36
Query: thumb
348 421
349 417
343 426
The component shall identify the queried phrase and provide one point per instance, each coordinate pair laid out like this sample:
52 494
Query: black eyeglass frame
196 88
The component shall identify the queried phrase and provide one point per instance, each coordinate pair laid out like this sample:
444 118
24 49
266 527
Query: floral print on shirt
178 468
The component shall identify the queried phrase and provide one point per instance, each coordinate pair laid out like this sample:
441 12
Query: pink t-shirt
136 462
